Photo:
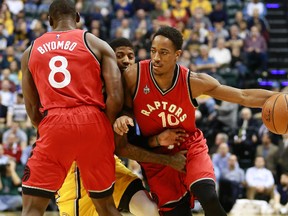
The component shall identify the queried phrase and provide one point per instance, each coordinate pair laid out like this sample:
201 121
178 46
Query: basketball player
129 193
162 95
63 74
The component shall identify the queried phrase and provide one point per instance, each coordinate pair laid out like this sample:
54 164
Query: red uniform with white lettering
156 110
68 79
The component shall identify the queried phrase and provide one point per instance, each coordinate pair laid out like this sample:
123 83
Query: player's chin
157 69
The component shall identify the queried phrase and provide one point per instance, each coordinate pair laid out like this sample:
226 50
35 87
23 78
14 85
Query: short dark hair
172 34
118 42
60 8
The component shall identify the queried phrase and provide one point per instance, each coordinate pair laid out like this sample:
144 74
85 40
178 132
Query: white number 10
62 69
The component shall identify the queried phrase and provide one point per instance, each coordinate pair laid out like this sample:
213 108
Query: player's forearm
256 97
142 155
35 115
114 104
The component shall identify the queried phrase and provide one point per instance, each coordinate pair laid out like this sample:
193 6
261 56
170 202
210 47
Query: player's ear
50 20
77 17
178 54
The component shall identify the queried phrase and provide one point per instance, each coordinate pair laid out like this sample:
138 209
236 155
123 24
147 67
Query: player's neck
165 80
64 25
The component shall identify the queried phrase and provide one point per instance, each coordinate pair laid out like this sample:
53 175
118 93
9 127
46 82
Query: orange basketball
275 113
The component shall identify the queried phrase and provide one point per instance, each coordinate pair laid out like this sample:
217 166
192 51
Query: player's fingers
119 128
116 130
182 133
129 121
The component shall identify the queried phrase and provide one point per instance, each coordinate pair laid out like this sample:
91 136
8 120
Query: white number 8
62 69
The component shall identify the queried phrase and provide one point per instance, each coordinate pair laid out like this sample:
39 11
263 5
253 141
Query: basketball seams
275 113
272 113
286 100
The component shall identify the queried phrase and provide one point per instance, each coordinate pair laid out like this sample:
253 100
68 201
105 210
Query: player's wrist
157 141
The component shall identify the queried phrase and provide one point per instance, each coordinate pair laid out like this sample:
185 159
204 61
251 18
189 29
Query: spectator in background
14 73
219 13
13 148
4 41
141 21
185 59
125 5
255 4
8 57
268 151
234 40
205 4
226 117
166 19
231 185
6 18
198 15
27 150
219 30
243 30
179 13
205 63
283 154
7 96
261 24
18 132
10 182
3 115
246 138
255 48
220 158
17 113
142 54
260 181
142 4
280 201
116 22
221 54
7 77
238 18
157 10
219 138
3 157
15 6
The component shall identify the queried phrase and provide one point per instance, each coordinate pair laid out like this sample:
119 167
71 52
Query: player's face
125 57
163 55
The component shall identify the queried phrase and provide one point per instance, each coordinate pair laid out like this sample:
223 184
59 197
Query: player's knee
150 209
205 191
141 205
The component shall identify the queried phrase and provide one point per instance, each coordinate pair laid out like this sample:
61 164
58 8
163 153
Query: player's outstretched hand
172 137
120 125
178 161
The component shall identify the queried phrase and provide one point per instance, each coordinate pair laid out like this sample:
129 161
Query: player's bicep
129 83
30 94
111 74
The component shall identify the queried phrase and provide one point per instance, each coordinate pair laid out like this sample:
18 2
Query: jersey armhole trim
29 54
193 100
137 81
87 46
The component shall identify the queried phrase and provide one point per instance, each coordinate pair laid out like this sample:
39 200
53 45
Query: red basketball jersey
65 71
155 109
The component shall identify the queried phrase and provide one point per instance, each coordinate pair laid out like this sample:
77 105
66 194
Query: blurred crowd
226 39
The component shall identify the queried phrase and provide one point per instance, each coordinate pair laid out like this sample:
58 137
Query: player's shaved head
62 8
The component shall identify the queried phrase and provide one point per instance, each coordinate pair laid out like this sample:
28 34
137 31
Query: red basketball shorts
167 185
82 134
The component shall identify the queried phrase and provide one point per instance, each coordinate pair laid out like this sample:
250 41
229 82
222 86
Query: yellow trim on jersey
73 200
